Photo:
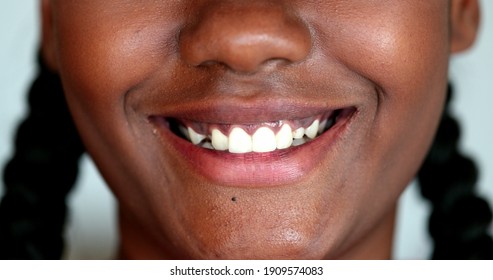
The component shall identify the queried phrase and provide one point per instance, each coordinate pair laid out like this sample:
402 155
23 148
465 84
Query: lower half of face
260 130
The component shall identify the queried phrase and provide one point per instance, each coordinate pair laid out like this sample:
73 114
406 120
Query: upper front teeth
284 137
263 139
239 141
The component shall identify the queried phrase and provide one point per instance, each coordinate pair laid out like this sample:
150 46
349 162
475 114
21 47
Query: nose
244 36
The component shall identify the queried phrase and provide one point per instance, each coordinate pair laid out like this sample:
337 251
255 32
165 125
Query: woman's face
241 79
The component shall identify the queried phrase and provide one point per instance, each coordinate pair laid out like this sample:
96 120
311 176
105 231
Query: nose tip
244 37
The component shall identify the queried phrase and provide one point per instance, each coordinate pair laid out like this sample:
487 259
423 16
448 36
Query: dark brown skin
121 59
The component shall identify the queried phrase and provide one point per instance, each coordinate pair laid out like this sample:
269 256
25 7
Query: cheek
100 61
104 51
106 48
407 60
410 70
101 64
403 50
405 55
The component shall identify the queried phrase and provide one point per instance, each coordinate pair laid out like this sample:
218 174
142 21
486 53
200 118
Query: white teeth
299 133
219 140
284 137
239 141
195 137
312 130
184 131
207 145
264 140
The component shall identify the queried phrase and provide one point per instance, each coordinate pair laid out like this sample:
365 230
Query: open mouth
254 154
258 138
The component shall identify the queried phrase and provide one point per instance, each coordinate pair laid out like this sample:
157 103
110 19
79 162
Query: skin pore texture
131 68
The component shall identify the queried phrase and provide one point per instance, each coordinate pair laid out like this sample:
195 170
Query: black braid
460 219
40 174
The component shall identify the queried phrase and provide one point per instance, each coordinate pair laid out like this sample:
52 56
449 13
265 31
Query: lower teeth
206 145
298 142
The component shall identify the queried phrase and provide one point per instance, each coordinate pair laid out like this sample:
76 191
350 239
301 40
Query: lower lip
277 168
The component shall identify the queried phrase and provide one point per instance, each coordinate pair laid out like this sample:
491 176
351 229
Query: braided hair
40 174
460 219
45 166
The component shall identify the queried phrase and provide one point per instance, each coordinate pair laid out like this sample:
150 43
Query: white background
92 233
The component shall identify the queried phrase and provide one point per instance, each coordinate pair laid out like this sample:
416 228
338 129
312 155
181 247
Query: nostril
245 37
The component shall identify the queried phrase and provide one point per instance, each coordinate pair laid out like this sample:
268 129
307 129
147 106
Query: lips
263 153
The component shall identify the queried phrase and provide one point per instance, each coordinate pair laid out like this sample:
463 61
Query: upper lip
233 111
234 102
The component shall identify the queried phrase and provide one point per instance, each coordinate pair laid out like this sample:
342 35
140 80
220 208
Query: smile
254 153
259 138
